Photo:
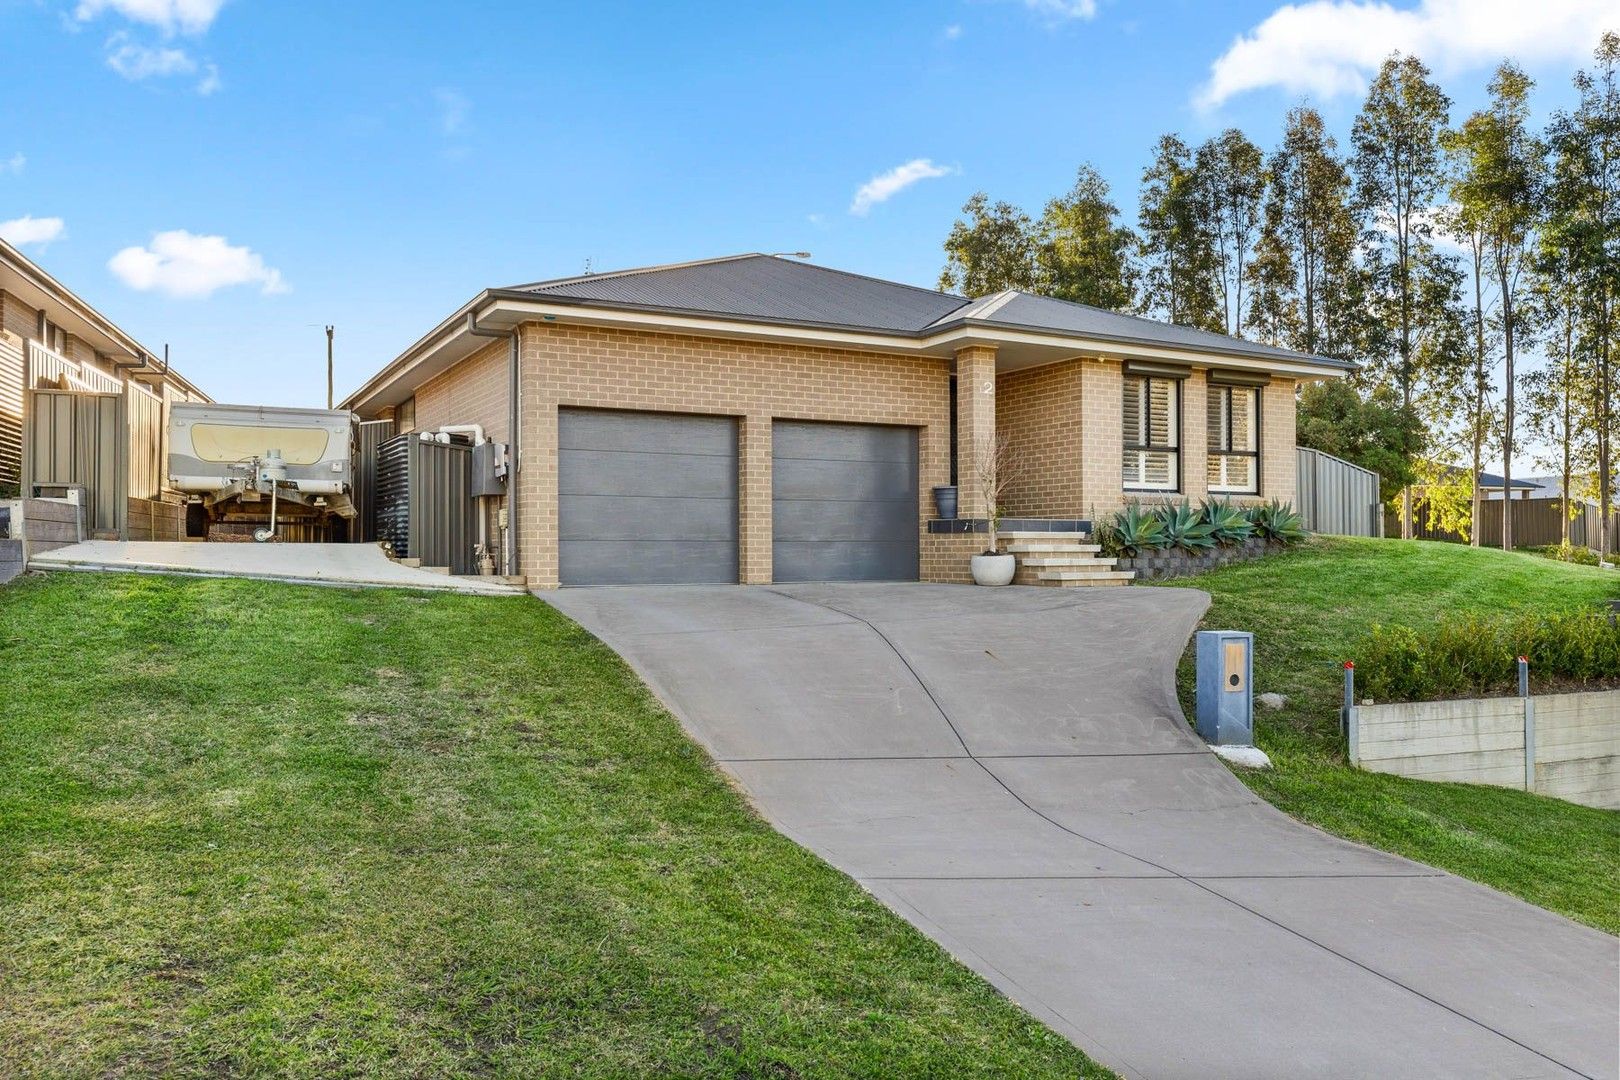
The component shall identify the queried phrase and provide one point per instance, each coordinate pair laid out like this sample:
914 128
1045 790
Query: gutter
513 451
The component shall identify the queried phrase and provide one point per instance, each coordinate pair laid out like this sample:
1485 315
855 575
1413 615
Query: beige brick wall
944 557
567 366
472 392
975 423
1068 417
1040 408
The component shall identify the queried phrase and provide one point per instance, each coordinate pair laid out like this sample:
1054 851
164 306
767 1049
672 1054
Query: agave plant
1186 528
1136 530
1228 524
1277 521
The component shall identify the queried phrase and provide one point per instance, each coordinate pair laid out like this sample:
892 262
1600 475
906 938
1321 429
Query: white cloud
135 61
453 109
183 264
210 82
14 164
953 31
1062 10
29 230
169 16
885 186
1329 47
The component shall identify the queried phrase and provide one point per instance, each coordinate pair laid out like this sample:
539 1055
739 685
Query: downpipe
514 453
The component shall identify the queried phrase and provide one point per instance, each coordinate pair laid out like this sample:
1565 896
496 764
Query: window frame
1175 427
1216 391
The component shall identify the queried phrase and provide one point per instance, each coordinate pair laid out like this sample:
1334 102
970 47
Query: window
1152 434
405 416
1234 439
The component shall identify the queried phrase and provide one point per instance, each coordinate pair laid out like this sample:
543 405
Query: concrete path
1010 771
320 564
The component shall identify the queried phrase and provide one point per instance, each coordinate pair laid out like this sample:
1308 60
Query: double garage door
651 498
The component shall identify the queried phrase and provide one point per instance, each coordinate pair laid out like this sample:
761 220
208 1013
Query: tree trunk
1479 399
1507 412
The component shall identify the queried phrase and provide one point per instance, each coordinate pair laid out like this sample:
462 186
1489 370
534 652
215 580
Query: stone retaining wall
1156 565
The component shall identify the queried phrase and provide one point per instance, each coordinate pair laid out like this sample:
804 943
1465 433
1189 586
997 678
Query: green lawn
1308 609
255 828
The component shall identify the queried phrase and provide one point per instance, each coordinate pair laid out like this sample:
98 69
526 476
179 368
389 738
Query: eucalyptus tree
1229 188
1306 287
1399 173
1084 255
1175 243
1584 218
994 248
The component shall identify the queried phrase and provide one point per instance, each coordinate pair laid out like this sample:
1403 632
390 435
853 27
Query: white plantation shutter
1234 439
1152 433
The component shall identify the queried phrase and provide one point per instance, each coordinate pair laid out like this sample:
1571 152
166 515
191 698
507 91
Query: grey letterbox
1225 690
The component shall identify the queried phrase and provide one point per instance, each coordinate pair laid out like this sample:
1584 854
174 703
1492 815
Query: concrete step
1087 575
1022 547
1111 584
1021 534
1079 562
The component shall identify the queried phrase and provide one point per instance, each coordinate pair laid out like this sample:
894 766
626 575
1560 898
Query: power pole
329 366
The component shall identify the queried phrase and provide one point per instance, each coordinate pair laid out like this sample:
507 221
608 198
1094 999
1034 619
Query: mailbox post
1225 691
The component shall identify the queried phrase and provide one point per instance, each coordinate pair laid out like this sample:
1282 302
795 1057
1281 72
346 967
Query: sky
229 176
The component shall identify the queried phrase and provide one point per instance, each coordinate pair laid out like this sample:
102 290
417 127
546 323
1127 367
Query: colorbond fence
1337 497
1535 522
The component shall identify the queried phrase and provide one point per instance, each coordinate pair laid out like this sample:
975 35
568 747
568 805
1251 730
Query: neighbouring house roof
769 296
33 286
1493 480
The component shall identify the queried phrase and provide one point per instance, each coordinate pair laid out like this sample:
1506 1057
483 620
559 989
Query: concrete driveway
1009 770
353 565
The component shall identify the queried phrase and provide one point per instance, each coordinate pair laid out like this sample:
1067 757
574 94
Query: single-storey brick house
756 418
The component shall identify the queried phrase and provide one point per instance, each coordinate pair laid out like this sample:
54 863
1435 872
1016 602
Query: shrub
1277 521
1228 524
1474 656
1570 553
1185 528
1137 530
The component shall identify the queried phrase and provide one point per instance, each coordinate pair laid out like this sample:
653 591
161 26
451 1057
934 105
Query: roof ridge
882 281
634 271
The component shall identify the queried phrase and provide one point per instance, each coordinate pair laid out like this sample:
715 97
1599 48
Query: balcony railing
52 368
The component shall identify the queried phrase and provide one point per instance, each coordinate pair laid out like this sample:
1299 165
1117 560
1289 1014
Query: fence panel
145 426
1536 522
78 439
1337 497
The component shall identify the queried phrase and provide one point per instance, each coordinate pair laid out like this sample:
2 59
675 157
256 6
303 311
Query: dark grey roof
1029 311
1494 480
761 287
770 288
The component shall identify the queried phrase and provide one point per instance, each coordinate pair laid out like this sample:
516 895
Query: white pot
994 569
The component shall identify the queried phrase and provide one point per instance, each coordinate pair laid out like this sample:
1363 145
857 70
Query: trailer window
234 443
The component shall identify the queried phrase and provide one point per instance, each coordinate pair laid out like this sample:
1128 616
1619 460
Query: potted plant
945 502
996 464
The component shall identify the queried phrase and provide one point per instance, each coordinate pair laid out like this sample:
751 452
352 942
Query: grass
1308 609
266 829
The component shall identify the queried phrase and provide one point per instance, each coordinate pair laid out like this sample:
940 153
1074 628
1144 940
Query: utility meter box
1225 690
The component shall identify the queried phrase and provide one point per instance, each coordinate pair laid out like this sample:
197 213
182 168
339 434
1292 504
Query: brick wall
1040 408
472 392
756 381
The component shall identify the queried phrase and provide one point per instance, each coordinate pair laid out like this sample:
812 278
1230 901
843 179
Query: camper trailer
252 469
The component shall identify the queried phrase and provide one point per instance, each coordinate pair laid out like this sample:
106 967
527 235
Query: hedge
1476 656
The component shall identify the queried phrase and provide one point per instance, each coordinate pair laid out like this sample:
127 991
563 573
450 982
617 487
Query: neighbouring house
756 418
82 403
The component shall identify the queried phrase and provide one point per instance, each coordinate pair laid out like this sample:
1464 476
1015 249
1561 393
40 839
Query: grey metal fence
1337 497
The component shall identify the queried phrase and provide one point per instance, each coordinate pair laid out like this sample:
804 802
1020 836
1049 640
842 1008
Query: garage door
843 502
646 498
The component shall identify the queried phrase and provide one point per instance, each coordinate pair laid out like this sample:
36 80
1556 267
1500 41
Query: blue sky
231 176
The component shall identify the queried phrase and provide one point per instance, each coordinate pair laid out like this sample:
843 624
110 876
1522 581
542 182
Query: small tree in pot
997 464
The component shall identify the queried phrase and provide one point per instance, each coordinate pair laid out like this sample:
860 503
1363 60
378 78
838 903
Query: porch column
975 422
754 487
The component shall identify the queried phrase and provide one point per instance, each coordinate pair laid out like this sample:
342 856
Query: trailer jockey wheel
196 520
